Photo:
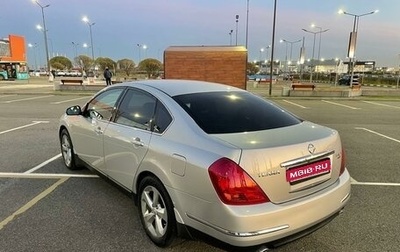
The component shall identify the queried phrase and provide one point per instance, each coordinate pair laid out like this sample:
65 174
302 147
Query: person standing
107 75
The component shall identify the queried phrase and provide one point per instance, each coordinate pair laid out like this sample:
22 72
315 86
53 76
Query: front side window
136 109
233 112
102 106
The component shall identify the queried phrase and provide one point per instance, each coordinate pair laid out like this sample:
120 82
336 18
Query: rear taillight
233 185
343 161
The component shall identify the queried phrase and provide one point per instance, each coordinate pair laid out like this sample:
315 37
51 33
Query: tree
151 67
60 63
126 65
105 62
84 62
252 68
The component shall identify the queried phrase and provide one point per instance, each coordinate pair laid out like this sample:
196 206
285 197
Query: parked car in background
3 74
73 74
60 73
261 77
215 158
287 77
345 80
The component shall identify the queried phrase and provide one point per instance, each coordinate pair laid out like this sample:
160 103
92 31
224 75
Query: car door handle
137 141
98 131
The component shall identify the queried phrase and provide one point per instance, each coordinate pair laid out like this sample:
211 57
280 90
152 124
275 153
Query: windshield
234 112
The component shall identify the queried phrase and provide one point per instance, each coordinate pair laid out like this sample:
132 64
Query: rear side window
234 112
162 118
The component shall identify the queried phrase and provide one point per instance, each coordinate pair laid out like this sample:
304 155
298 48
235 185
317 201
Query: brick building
221 64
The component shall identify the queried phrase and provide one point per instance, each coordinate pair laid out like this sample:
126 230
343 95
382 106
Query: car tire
67 150
156 212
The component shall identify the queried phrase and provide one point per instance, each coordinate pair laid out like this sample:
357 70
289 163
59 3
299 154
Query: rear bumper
260 224
304 232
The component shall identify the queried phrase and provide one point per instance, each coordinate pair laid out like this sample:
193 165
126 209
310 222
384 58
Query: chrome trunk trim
306 160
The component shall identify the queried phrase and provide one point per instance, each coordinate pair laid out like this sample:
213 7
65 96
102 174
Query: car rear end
289 176
300 175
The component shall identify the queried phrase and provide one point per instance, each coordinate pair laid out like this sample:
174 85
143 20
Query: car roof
178 87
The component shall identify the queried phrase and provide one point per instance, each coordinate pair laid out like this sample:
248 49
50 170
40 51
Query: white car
211 157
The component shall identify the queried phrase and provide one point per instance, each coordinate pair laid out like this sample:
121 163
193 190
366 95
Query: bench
298 85
263 81
71 81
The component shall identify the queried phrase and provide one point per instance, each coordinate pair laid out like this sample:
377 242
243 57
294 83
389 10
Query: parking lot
45 207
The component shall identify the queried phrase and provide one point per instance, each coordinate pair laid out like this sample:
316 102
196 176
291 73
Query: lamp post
271 69
302 58
85 45
42 7
313 50
75 45
230 37
286 54
145 51
398 75
237 23
247 24
140 46
49 41
261 51
86 20
291 49
291 46
34 46
51 52
353 40
337 63
320 38
267 55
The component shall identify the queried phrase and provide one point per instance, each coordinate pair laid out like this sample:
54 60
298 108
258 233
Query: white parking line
25 126
2 96
338 104
45 175
43 164
80 98
379 134
352 180
27 99
295 104
31 203
381 104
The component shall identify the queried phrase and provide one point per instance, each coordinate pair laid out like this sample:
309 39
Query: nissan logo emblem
311 148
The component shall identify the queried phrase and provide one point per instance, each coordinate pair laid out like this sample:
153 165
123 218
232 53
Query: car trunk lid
290 162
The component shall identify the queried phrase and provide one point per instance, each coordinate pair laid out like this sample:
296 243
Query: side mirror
74 110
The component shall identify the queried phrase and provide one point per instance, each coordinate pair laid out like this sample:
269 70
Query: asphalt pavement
45 207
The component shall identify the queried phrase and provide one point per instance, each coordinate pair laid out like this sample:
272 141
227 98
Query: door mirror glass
74 110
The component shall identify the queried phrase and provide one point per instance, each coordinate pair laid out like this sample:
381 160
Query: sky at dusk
122 24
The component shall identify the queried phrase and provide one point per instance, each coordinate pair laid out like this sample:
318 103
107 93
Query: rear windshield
234 112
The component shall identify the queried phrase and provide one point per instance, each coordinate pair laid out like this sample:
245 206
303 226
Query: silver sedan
211 157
